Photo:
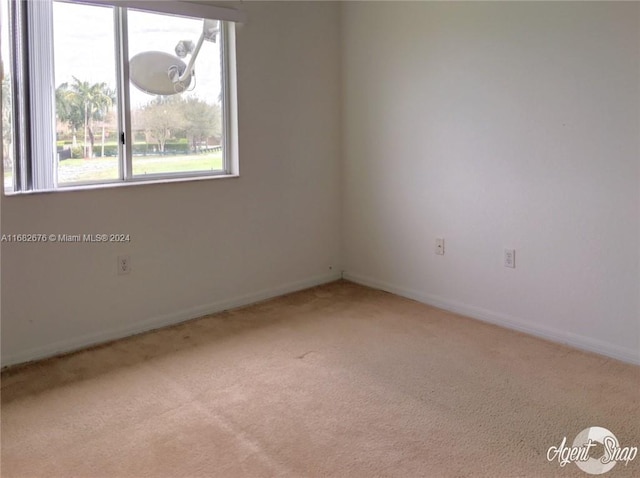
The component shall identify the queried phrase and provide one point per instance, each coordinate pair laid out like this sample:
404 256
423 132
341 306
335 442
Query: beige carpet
339 380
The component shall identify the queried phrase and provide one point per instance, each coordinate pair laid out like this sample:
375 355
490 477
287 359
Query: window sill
122 184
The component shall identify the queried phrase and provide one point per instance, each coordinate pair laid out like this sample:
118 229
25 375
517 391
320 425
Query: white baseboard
84 341
574 340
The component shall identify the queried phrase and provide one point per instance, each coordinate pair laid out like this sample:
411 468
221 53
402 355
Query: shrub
77 152
109 150
181 147
169 148
174 147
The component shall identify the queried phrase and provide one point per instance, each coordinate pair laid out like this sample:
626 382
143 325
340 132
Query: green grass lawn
98 169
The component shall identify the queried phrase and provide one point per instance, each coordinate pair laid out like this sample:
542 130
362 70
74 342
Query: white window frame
35 165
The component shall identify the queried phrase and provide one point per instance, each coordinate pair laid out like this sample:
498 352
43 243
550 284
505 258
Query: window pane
86 105
7 104
176 117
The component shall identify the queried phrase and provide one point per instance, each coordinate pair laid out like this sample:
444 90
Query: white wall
199 246
493 125
498 125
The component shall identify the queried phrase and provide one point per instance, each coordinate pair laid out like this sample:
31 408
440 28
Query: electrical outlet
124 265
440 246
510 258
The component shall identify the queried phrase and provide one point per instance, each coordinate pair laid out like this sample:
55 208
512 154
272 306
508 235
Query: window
7 103
108 91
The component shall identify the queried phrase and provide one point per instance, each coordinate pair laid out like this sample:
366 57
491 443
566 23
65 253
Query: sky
4 37
84 46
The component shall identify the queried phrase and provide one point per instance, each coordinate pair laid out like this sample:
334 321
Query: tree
82 103
69 110
110 119
202 121
161 119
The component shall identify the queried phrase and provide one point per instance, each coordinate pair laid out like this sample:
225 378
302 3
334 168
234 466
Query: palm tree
68 110
95 100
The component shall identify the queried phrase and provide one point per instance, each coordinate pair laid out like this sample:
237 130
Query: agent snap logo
584 443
